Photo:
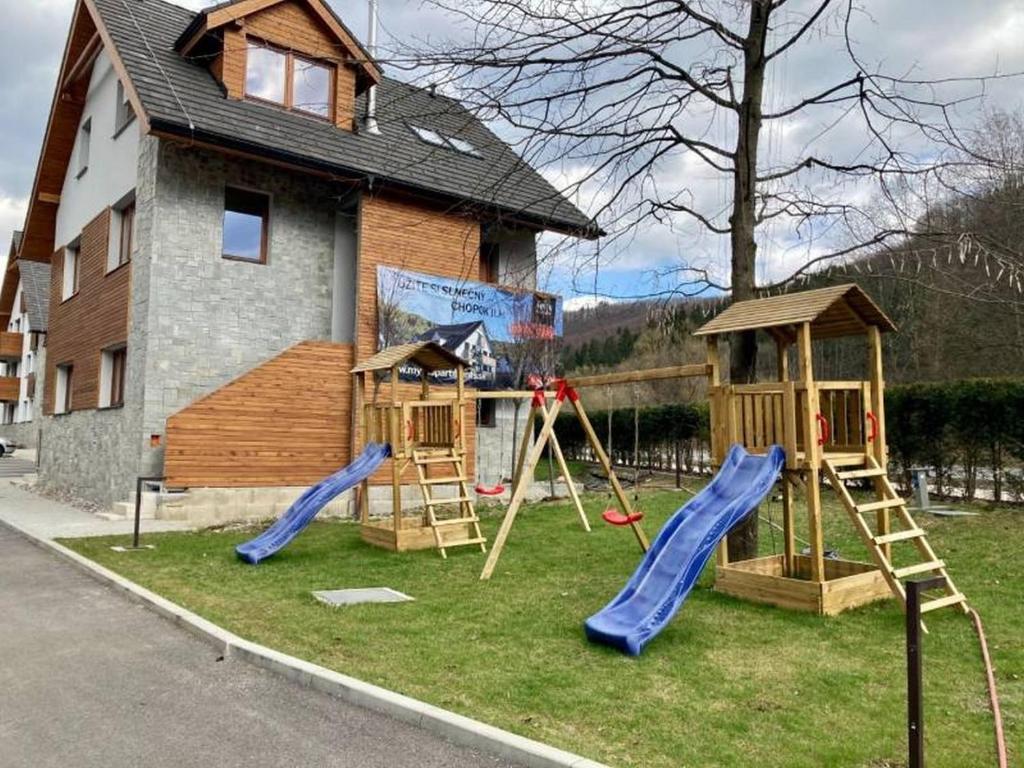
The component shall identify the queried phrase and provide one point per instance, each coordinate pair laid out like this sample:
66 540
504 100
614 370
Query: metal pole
915 699
138 506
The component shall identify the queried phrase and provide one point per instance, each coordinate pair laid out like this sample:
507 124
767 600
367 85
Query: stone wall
203 319
90 454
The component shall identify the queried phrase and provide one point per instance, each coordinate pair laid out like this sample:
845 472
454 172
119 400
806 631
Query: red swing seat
616 517
483 490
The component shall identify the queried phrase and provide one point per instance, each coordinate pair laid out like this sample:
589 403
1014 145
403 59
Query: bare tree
623 96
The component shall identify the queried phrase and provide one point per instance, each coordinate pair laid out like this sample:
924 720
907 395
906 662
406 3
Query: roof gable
336 36
425 354
840 310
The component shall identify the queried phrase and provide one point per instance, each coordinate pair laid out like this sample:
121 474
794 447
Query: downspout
370 119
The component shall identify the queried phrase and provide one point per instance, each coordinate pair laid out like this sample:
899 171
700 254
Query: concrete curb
456 728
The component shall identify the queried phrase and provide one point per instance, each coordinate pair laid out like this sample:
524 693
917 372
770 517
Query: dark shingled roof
175 92
450 336
35 283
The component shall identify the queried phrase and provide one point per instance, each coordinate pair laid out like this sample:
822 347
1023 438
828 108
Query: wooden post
718 410
877 394
564 468
788 526
458 428
519 493
602 457
397 429
812 453
876 406
524 446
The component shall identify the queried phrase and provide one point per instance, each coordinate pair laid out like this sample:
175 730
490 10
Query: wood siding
405 234
295 28
10 389
11 345
90 321
284 423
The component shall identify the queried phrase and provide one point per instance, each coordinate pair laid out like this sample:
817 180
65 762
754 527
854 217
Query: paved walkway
88 678
13 466
48 519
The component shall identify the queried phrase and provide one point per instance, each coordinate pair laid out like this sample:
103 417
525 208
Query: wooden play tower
830 428
425 432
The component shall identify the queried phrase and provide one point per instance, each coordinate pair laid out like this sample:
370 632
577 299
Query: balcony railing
760 415
10 389
11 345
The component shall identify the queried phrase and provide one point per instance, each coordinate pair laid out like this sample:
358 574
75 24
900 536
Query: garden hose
993 697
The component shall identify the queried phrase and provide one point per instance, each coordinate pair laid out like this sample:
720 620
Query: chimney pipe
370 120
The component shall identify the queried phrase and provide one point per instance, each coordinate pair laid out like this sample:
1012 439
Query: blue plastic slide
675 560
301 513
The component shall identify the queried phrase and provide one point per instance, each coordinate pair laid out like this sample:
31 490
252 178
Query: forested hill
958 303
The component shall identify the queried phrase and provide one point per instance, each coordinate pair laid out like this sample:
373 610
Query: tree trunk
743 350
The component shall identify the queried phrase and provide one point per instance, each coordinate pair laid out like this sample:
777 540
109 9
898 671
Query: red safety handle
826 433
873 421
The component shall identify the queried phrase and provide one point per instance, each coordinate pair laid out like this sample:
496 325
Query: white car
7 446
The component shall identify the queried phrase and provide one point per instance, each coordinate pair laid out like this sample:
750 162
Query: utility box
919 486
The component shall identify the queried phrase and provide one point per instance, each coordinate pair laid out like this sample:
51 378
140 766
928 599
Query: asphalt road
90 679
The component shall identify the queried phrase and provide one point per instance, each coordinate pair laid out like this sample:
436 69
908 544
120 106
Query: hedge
968 433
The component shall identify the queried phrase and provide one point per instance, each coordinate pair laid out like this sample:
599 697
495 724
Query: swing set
560 392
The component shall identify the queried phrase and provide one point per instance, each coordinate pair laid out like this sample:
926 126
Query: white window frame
124 114
84 146
114 238
60 391
71 272
106 376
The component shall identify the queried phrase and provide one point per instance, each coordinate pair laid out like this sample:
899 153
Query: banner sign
500 332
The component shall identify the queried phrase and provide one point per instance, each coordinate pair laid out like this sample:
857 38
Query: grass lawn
728 683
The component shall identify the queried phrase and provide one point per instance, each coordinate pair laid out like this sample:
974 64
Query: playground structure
835 428
427 433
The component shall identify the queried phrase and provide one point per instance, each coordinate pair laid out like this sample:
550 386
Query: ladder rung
448 500
942 602
855 474
456 521
889 538
461 542
844 461
910 570
443 480
436 459
875 506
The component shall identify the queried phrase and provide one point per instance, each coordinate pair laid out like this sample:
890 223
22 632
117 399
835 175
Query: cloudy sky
930 38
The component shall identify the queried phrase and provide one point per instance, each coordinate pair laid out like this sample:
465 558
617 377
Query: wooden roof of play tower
841 310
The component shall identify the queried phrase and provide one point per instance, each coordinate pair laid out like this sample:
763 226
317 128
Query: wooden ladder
424 459
880 541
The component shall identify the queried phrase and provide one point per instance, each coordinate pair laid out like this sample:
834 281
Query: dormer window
288 80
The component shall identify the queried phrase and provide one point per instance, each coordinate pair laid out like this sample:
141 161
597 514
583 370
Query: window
289 80
84 141
112 368
431 136
488 262
246 216
266 74
62 395
311 87
70 274
486 414
463 146
124 113
122 230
